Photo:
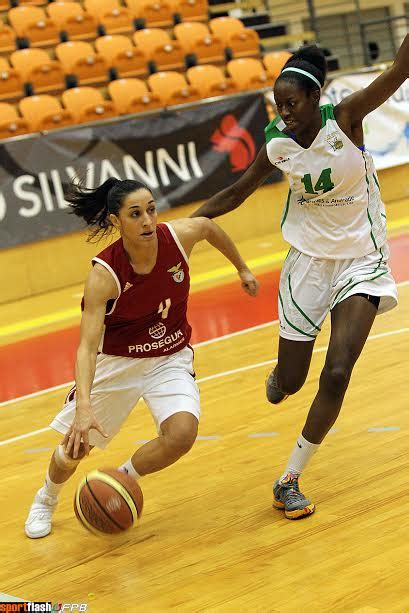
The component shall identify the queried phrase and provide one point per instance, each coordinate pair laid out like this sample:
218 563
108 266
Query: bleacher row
136 68
28 25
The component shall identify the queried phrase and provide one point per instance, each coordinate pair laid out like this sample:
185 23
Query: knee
181 435
335 378
182 439
290 382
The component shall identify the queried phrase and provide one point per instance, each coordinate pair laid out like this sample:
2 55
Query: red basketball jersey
148 319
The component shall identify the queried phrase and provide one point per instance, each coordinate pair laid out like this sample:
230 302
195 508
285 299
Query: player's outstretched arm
99 288
356 106
230 198
191 231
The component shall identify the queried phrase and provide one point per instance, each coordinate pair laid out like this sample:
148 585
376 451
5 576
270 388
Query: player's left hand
249 282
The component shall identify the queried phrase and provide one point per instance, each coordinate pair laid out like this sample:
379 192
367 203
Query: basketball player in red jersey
134 339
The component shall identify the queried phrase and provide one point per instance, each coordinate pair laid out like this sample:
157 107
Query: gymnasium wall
56 263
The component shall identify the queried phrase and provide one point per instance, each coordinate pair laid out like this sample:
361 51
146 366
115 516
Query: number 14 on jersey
324 183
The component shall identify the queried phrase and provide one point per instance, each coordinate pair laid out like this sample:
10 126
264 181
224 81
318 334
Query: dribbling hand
79 432
249 282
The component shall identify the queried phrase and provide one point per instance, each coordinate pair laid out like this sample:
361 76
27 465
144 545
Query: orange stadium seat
11 85
210 81
119 52
109 13
196 38
45 113
31 22
224 26
36 67
249 73
242 41
191 10
159 47
79 58
173 88
10 122
155 13
87 104
7 38
132 96
71 18
275 61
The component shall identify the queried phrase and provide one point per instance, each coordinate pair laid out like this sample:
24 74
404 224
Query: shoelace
39 517
292 493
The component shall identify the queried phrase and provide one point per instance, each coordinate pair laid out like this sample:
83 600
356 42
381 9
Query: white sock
299 458
51 488
129 469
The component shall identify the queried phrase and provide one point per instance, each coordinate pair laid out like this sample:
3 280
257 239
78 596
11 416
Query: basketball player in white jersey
134 339
334 220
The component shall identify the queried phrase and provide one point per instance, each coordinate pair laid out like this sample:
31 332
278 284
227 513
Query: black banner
181 156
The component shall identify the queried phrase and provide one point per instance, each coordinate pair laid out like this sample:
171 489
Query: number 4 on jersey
324 183
164 308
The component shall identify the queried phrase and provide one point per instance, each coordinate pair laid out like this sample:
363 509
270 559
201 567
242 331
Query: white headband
304 72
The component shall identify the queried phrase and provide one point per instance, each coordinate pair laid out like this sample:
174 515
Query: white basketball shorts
311 287
166 384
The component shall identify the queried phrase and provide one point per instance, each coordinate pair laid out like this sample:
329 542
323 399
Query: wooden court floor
209 539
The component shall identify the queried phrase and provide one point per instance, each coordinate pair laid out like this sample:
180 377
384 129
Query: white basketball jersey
334 207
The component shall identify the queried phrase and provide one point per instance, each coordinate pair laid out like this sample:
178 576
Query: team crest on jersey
178 273
334 140
158 330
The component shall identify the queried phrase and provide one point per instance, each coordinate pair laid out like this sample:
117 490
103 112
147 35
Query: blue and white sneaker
287 496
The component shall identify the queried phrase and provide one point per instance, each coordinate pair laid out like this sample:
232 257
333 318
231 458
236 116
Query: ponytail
96 205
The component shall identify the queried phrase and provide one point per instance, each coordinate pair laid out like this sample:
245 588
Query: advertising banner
386 130
182 156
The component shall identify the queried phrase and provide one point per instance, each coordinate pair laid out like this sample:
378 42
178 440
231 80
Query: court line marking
275 360
213 275
223 374
55 388
22 436
60 386
384 429
75 312
200 344
233 334
262 434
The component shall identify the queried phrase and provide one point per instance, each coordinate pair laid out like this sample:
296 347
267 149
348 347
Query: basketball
108 501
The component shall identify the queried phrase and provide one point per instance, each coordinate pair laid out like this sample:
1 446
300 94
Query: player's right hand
249 282
84 421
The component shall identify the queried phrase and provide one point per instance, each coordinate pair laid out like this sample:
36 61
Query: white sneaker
38 522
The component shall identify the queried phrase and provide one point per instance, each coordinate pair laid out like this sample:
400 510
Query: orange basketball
108 501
